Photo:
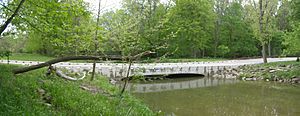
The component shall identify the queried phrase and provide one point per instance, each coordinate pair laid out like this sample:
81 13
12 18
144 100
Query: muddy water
213 97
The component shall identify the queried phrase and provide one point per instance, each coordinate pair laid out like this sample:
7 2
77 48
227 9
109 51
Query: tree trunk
94 70
269 49
298 58
8 59
264 45
264 52
68 58
96 40
63 59
62 75
217 31
4 26
126 79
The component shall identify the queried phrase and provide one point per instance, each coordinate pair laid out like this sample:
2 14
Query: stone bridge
119 70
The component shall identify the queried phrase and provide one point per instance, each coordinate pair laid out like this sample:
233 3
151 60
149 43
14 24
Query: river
214 97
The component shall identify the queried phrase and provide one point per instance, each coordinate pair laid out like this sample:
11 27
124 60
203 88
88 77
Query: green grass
19 96
178 60
28 57
284 73
272 64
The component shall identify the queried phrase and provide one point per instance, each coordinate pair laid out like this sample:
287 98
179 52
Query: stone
112 81
42 92
282 65
296 80
248 79
272 70
280 81
47 104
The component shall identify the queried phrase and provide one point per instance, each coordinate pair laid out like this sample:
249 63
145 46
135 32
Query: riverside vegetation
280 71
34 93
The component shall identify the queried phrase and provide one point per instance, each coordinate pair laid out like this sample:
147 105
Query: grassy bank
178 60
33 93
28 57
276 71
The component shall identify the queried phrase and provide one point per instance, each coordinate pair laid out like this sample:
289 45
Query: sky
105 5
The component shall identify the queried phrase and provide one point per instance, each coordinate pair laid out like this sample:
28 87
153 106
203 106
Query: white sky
105 5
108 4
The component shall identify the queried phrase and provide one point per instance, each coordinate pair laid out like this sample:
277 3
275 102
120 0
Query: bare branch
61 74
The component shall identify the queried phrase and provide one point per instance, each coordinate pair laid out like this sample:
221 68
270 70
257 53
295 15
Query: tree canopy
175 29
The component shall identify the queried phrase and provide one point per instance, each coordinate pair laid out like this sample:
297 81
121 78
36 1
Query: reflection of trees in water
193 83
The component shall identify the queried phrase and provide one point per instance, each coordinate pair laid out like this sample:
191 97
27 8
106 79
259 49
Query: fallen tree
69 58
64 59
62 75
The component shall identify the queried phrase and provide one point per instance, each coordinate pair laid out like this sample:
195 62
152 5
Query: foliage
61 31
191 22
173 29
292 41
5 54
292 38
29 57
20 96
236 34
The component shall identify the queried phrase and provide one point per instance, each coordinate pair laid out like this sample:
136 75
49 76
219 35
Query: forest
161 57
172 29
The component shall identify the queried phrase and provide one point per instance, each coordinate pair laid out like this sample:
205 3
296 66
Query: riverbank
33 93
288 72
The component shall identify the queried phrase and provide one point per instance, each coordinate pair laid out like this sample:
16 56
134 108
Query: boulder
272 70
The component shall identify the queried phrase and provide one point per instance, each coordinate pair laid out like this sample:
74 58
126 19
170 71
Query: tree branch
68 58
63 59
4 26
62 75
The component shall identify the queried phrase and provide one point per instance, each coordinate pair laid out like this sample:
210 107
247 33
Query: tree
191 22
8 21
68 31
261 16
235 32
95 39
134 28
292 38
292 42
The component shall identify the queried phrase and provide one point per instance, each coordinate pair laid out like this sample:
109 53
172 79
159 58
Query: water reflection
177 84
238 99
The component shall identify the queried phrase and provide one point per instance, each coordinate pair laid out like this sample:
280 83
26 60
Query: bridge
119 70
